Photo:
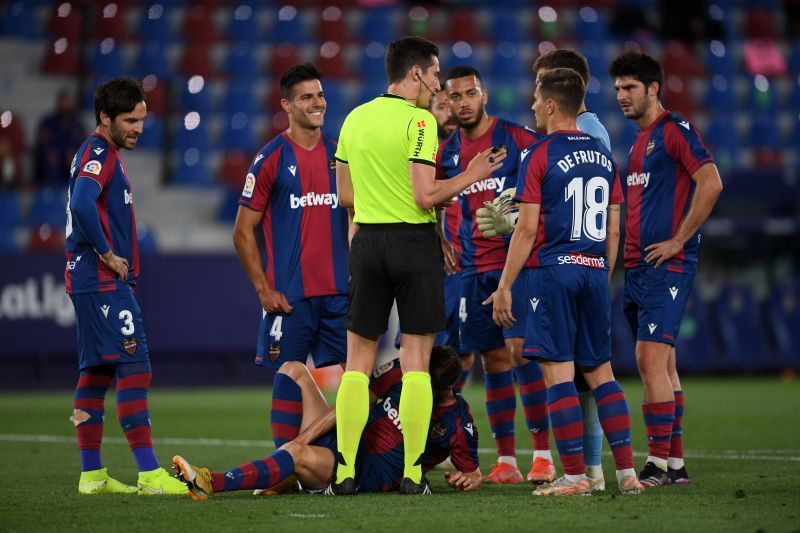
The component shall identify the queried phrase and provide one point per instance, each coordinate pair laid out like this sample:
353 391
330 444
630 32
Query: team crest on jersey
438 430
274 352
378 372
93 167
130 344
249 185
332 164
651 144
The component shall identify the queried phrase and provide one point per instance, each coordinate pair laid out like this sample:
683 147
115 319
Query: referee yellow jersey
377 142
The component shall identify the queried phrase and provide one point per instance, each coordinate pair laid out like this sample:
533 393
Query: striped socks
675 460
287 409
258 474
567 422
658 421
501 408
615 418
533 395
133 382
87 414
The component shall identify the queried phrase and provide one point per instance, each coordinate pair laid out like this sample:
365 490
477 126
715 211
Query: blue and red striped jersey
305 229
660 188
452 221
452 430
479 254
99 160
573 177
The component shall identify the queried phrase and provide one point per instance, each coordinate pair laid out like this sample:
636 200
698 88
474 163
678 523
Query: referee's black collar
390 95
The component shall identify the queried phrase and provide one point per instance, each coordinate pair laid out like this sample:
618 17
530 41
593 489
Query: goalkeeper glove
498 217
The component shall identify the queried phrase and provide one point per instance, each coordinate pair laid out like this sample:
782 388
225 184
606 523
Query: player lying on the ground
379 464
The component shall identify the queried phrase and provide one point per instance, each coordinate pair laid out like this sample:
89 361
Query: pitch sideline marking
725 455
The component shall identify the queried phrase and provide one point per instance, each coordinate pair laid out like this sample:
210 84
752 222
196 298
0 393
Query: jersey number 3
589 208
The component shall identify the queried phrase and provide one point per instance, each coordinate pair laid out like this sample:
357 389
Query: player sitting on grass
379 465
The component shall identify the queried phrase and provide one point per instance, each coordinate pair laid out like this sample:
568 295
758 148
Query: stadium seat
372 65
155 24
506 25
152 137
462 25
741 329
759 24
229 206
696 350
720 95
155 91
288 26
196 59
152 59
109 22
783 310
195 95
8 243
332 25
47 238
196 137
243 25
720 59
61 57
283 57
10 211
191 168
146 236
680 61
508 63
794 57
65 21
331 62
49 206
20 21
234 167
722 139
677 96
107 61
241 63
591 25
238 132
198 25
763 97
239 97
379 25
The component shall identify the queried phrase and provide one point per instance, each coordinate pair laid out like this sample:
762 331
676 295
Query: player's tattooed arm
707 190
462 481
612 237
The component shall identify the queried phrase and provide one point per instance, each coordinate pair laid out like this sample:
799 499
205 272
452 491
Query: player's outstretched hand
662 251
501 310
119 265
274 302
462 481
487 162
451 257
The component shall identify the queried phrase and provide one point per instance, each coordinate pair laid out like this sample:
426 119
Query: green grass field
743 453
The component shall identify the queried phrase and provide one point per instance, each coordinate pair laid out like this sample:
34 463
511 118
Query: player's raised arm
707 190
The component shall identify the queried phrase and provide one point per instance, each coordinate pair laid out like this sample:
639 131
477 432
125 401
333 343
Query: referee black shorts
401 262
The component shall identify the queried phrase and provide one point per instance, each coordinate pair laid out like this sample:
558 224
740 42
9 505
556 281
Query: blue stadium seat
720 60
794 57
155 24
372 61
696 351
243 25
623 343
763 100
197 137
764 133
20 21
591 25
152 136
379 25
288 27
107 61
152 59
10 211
229 206
241 63
199 101
506 25
191 168
49 206
238 132
148 244
742 332
8 244
783 310
239 98
507 62
720 95
337 99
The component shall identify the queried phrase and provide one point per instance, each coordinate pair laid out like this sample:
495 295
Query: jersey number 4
589 207
275 331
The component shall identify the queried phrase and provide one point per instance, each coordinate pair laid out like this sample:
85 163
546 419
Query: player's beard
638 111
119 138
480 110
448 127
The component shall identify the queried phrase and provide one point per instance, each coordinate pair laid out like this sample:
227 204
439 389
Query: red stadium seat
234 167
196 60
332 25
46 238
61 57
155 91
65 21
331 60
284 56
462 26
760 24
198 26
680 61
110 22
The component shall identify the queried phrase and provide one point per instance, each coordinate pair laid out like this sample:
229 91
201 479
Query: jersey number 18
589 213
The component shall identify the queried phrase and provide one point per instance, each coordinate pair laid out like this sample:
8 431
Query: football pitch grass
743 453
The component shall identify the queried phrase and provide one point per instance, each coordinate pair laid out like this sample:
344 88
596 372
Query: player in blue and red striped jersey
673 185
569 196
482 261
290 195
379 463
101 274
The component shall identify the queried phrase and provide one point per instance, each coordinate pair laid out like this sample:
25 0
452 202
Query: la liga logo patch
249 185
93 167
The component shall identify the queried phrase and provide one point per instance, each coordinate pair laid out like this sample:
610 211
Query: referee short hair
565 86
563 58
406 52
295 75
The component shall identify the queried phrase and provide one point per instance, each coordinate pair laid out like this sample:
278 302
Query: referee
386 162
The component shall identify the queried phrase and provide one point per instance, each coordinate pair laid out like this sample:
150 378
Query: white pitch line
724 455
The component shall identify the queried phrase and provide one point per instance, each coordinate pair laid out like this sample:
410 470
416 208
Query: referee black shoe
407 486
345 488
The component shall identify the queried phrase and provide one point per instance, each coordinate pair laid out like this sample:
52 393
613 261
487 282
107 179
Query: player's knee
496 360
295 370
296 450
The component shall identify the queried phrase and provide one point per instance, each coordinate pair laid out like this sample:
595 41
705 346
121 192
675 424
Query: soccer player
482 260
379 464
101 274
569 195
673 185
386 165
290 194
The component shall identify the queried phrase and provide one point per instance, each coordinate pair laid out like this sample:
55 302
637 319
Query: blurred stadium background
210 69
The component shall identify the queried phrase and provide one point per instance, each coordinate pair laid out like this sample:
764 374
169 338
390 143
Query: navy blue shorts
315 327
374 472
477 330
654 302
109 326
569 314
